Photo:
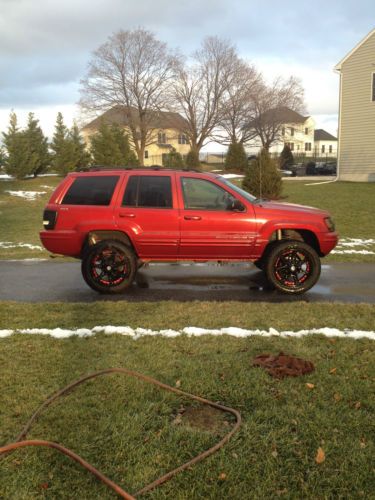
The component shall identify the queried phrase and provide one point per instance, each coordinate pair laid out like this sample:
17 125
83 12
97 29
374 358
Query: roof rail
98 168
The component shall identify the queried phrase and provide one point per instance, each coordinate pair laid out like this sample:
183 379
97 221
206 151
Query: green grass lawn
125 428
351 204
21 220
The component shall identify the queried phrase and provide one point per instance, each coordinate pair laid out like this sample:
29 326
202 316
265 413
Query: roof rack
98 168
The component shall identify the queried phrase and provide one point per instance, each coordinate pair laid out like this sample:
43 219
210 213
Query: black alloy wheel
292 267
109 267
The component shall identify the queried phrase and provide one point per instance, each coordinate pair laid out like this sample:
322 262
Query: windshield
245 194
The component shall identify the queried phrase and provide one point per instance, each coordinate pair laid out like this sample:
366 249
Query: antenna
260 175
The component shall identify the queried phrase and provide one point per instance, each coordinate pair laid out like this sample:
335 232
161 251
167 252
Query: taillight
49 219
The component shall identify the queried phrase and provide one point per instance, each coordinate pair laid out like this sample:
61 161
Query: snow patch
10 244
10 177
28 195
232 176
34 259
5 333
190 331
355 246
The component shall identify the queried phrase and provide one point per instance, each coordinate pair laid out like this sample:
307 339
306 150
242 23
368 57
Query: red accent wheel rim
292 268
109 267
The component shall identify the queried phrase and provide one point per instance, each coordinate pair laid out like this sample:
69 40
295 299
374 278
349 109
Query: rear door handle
131 216
192 217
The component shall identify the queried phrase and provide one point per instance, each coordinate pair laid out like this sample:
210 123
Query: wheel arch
296 234
96 236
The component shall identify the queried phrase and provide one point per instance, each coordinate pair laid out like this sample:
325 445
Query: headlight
330 224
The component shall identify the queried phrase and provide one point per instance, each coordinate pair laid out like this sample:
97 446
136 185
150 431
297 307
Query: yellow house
356 154
167 132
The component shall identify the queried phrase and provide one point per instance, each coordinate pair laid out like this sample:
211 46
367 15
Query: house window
146 154
162 138
323 149
291 145
330 149
292 131
373 87
283 131
306 131
307 146
182 139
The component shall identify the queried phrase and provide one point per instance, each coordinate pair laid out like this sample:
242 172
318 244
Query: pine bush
110 147
236 158
263 178
192 159
286 158
173 160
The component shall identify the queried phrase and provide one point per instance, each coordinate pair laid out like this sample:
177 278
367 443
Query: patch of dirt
283 365
205 418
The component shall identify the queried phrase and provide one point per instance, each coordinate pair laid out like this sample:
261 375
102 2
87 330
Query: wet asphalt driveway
44 281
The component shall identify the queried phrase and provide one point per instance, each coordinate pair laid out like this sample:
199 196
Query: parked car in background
321 168
327 168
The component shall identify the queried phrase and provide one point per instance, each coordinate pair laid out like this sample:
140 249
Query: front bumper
328 241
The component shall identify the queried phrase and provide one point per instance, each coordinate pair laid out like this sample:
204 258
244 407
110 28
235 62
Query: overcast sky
45 45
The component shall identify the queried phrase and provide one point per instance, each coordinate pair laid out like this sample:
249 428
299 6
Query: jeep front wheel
292 267
109 267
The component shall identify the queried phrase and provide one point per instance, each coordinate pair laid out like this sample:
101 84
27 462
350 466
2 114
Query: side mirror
237 206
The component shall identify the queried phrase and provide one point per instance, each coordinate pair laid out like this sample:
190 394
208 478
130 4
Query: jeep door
148 213
210 227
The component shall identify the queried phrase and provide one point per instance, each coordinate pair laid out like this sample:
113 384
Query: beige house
167 132
356 152
325 144
297 131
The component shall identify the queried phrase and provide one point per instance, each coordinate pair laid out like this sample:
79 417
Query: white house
325 144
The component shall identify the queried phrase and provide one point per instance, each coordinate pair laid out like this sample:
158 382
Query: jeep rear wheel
292 267
109 267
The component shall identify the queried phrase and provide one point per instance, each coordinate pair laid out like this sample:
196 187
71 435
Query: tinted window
148 191
96 190
204 195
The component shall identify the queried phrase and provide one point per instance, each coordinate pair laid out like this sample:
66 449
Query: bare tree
238 106
132 70
200 88
272 109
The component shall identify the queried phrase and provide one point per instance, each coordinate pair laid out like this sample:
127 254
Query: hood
290 207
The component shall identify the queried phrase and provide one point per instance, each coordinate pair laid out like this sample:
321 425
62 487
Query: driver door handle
192 217
129 215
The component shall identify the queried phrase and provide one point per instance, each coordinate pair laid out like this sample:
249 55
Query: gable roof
322 135
281 115
354 49
285 115
121 115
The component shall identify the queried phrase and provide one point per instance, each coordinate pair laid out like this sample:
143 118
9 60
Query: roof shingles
121 115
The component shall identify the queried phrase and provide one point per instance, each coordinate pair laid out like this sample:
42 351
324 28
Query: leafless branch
133 70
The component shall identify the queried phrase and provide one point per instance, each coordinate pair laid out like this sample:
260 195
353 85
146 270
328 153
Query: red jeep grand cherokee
114 220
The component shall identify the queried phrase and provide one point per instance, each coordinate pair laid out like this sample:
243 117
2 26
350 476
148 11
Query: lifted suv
114 220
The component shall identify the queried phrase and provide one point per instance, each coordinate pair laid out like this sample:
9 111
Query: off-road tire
109 267
292 267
